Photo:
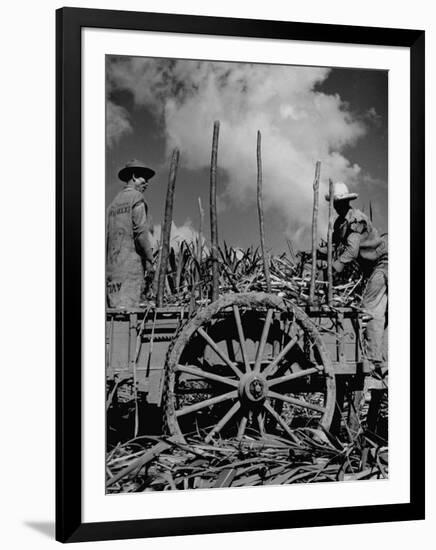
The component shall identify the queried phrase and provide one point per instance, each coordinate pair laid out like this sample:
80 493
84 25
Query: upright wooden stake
157 268
330 245
198 287
200 232
166 228
260 212
314 230
213 215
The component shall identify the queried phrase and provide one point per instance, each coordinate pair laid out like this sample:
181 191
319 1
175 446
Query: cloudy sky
305 114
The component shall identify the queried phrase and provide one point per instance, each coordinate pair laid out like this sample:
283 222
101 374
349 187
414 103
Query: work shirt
355 238
126 220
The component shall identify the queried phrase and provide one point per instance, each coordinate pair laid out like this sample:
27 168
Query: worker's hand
321 270
321 264
148 272
338 266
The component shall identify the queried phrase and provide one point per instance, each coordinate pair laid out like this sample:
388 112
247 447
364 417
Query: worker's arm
349 253
323 247
141 234
321 252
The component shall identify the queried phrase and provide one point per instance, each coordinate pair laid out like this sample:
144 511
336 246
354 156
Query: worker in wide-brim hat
355 239
129 252
136 169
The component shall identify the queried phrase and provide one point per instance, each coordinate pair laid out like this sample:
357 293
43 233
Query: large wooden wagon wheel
248 363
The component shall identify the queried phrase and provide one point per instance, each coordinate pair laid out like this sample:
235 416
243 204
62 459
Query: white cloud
299 125
117 123
184 232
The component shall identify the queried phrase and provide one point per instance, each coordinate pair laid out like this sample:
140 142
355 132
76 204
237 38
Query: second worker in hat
355 239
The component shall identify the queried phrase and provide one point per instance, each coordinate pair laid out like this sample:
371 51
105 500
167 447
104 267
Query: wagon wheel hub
253 387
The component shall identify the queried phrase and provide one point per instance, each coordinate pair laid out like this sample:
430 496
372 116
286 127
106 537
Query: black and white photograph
218 306
246 274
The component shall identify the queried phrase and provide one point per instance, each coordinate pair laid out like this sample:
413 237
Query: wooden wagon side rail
151 311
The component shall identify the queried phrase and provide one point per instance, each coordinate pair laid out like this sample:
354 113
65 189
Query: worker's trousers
375 303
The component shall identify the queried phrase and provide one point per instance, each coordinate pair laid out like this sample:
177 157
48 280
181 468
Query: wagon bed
161 325
168 352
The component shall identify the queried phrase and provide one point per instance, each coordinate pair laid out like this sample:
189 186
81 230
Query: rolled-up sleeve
139 219
351 248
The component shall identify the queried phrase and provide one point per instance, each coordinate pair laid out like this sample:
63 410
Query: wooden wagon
245 362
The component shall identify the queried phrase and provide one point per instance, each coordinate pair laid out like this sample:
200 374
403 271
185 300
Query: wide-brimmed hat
341 193
136 167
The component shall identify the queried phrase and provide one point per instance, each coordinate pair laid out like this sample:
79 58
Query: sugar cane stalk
330 245
145 458
213 214
260 212
166 228
314 230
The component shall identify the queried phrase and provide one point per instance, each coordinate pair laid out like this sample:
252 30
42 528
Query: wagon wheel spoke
205 374
270 369
279 420
207 403
261 423
230 413
242 426
296 402
241 338
263 340
219 352
293 376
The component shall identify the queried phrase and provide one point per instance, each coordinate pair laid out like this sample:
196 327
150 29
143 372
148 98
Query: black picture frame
69 524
